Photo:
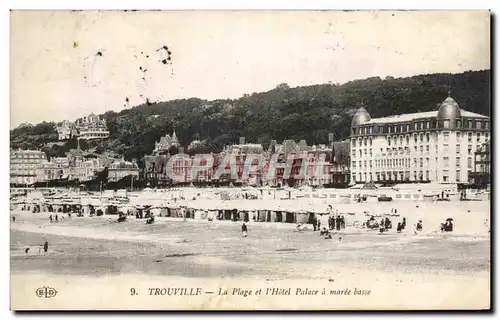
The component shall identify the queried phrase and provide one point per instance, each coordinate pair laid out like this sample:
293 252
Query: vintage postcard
250 160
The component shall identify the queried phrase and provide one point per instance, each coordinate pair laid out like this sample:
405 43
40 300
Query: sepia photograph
250 160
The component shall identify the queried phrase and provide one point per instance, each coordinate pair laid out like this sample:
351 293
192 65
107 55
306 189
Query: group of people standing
336 222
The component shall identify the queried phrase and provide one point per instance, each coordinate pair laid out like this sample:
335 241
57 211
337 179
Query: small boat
384 199
443 199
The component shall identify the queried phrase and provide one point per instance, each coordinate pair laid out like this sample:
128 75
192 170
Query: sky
64 65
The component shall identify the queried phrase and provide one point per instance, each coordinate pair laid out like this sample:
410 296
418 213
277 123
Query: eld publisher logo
46 292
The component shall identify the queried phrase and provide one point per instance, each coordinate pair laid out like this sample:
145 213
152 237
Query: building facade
436 146
163 146
66 130
92 127
25 166
121 169
481 175
55 169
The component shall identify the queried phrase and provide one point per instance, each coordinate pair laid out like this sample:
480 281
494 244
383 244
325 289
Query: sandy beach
439 270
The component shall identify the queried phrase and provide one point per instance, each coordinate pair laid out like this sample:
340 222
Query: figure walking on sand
46 246
244 230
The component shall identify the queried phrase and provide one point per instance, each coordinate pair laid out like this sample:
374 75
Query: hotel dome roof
449 110
361 116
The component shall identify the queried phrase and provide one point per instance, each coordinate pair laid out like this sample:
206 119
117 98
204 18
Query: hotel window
407 139
365 152
486 136
421 149
401 128
486 125
446 124
354 164
458 148
380 129
360 153
421 137
469 162
416 149
457 162
421 162
445 147
354 154
414 175
389 129
457 176
364 141
428 125
407 127
470 136
427 175
427 137
446 136
478 135
354 143
370 130
458 124
365 163
427 162
478 124
446 174
458 135
415 126
370 141
370 164
470 123
395 129
370 152
427 149
415 137
446 162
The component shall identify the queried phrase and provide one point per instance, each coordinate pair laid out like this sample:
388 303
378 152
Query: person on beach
337 222
13 219
399 227
419 225
57 218
244 230
324 232
314 223
319 224
46 246
50 218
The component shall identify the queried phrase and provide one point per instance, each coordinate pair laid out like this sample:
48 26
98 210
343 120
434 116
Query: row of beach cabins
359 193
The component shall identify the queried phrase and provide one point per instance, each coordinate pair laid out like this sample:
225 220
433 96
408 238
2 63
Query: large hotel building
436 146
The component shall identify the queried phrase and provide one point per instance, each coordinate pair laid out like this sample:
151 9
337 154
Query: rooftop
420 115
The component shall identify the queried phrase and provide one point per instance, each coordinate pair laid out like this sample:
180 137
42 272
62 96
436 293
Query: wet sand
98 249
